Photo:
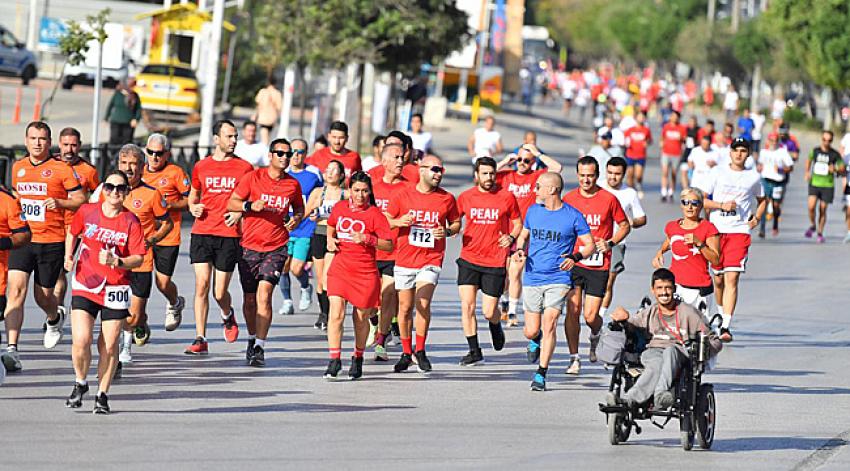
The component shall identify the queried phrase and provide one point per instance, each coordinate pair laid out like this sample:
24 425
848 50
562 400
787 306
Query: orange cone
36 110
16 117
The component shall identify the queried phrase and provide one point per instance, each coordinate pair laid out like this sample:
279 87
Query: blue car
15 58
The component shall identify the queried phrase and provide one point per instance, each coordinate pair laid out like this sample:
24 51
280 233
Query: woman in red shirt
355 230
693 242
111 243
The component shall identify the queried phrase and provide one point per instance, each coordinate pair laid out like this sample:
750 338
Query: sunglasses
282 153
155 153
691 203
120 188
435 169
300 151
526 161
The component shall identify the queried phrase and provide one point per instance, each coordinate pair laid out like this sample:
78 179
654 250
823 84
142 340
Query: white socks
260 343
512 305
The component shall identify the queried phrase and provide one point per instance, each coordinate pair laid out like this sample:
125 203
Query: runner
615 172
824 163
691 141
45 187
638 138
735 192
14 232
701 160
355 231
550 230
422 140
374 160
298 247
265 197
214 247
111 243
410 170
172 182
673 135
336 150
521 183
590 276
493 224
485 141
773 164
425 215
319 206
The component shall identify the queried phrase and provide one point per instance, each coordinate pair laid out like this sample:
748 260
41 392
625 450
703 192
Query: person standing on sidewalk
269 102
123 113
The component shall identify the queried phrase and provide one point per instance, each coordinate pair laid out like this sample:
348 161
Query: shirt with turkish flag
349 159
672 138
383 193
521 185
488 216
216 179
601 211
688 264
11 222
638 139
264 231
409 171
89 179
173 183
416 244
123 236
34 183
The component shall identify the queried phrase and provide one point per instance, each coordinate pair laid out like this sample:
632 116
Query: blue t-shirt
551 233
309 180
746 126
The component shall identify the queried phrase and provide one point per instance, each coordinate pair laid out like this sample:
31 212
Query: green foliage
74 44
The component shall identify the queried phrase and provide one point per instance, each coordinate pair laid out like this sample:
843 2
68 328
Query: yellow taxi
168 87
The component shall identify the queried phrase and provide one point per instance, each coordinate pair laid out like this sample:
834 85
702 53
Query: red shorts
360 286
733 253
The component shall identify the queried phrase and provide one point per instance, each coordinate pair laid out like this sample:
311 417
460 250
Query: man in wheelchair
669 324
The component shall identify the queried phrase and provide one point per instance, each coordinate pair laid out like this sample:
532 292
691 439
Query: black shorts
260 266
593 282
165 259
140 283
491 280
222 252
826 195
93 308
386 268
44 260
2 304
319 246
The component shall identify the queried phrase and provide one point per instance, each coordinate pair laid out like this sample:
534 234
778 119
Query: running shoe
321 322
75 400
404 363
575 367
119 371
423 364
306 298
472 358
355 371
142 334
725 335
497 335
821 239
101 404
334 366
250 350
53 335
370 339
198 347
538 383
503 305
395 330
11 360
846 239
774 232
258 356
287 309
381 353
532 351
125 355
512 320
174 314
809 232
594 342
762 235
230 327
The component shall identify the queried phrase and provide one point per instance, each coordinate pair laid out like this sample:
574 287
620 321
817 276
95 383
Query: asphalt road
783 394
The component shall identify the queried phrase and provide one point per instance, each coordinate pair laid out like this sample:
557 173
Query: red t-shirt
416 245
349 159
688 263
409 171
521 185
264 231
672 137
383 194
216 180
702 132
601 211
123 235
346 220
488 216
638 139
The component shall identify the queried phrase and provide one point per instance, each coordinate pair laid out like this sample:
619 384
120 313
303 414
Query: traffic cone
16 116
36 110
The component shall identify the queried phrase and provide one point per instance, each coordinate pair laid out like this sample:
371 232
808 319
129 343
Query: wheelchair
694 406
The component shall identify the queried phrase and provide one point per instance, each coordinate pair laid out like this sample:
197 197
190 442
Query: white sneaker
575 367
594 342
306 298
125 356
287 309
174 314
11 360
53 335
392 340
370 339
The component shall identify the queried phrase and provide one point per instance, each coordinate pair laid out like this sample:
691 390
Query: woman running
111 243
693 243
319 206
355 231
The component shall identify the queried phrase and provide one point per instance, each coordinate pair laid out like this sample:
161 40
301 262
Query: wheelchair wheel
706 410
618 429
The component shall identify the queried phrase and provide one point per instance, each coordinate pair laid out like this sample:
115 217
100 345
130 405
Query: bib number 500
117 297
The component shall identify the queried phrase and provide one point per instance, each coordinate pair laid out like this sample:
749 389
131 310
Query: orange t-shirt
148 204
173 183
34 183
10 222
86 174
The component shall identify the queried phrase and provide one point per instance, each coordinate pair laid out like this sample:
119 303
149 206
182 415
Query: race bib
777 193
421 237
821 168
117 297
595 260
729 216
32 210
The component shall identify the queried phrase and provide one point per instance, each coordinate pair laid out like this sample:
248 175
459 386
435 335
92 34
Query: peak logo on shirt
275 203
32 188
220 184
428 217
519 191
106 236
594 220
382 204
484 215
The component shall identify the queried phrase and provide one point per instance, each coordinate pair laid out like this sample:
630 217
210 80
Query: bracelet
449 232
246 206
120 263
513 239
611 244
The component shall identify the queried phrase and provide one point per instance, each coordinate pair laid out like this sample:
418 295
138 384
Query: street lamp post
211 75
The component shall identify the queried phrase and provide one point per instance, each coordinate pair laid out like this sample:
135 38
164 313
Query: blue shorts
632 162
299 248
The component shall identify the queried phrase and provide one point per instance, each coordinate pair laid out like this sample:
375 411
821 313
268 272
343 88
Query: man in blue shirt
309 178
746 125
551 229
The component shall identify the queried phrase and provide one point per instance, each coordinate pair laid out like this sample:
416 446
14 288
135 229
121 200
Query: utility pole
736 15
211 75
95 120
712 9
31 26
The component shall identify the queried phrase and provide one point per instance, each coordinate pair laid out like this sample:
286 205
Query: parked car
169 87
83 73
15 59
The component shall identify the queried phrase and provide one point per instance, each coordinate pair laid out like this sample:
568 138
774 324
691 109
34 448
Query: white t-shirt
703 162
368 163
424 140
485 142
602 157
845 144
777 109
628 198
626 123
758 123
744 187
255 154
724 159
730 101
774 162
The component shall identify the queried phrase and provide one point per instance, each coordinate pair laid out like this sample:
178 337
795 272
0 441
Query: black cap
606 136
740 142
